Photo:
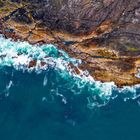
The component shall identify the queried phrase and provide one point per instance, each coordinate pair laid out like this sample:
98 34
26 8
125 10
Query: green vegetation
132 49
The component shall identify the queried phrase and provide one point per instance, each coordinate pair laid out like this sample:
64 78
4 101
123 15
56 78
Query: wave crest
28 58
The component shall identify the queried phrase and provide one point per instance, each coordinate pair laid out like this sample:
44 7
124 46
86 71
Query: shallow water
52 102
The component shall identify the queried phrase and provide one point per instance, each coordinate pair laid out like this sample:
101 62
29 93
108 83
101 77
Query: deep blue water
53 104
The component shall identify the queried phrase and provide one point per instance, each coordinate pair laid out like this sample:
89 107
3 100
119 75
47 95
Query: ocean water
42 98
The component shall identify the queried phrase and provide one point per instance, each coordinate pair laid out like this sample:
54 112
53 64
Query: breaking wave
21 58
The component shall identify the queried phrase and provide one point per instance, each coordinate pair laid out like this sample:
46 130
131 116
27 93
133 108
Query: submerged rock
104 34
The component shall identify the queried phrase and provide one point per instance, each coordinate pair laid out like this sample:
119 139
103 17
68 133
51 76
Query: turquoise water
50 101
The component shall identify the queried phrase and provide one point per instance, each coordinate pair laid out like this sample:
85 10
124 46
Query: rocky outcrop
105 34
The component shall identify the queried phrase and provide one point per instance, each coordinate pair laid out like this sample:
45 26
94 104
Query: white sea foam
45 80
19 55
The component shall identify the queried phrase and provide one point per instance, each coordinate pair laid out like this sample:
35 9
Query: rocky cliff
105 34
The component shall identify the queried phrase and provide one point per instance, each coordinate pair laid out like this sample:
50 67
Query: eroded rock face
83 16
105 34
78 16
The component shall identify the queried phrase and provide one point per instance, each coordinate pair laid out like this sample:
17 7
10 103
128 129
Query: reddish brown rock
104 34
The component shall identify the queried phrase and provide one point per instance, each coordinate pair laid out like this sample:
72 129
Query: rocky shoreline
105 35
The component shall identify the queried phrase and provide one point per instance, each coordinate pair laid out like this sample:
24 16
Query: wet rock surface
104 34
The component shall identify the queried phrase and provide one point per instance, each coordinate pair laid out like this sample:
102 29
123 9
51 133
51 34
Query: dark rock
38 14
9 30
20 15
1 4
18 1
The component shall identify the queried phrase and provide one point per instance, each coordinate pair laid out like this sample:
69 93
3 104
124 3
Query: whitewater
20 58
